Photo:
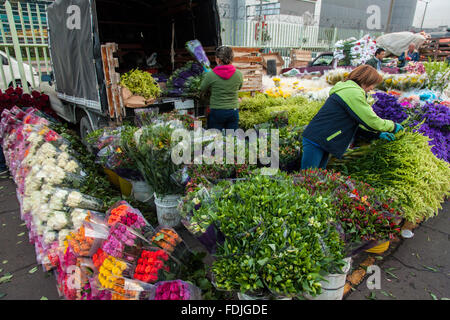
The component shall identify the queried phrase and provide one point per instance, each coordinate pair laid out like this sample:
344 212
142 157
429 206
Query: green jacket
224 93
336 123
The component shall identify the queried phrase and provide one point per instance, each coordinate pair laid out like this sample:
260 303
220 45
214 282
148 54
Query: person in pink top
224 82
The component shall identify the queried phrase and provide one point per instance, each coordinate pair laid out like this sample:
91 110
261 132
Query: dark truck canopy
78 28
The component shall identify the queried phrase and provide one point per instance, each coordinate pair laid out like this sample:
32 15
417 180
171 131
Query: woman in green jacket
224 81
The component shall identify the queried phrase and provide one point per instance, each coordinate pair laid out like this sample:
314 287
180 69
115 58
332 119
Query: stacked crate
249 62
299 58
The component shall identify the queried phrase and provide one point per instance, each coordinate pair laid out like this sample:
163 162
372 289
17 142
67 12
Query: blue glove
387 136
398 127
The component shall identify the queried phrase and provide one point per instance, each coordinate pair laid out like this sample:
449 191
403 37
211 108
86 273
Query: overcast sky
437 14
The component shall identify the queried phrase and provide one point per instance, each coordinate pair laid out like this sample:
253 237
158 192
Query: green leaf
432 269
6 278
372 296
272 246
263 261
160 237
5 261
21 234
43 298
433 296
390 273
33 270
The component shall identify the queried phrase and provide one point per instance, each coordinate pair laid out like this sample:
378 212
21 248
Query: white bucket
167 210
333 287
142 191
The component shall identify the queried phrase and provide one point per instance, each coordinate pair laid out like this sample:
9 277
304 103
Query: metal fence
282 36
23 45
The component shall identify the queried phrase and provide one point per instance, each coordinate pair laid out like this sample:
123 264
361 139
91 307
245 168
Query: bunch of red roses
150 264
16 97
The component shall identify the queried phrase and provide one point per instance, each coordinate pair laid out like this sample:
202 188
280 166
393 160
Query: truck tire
85 128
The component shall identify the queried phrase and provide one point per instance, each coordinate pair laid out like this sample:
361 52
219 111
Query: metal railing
23 45
281 36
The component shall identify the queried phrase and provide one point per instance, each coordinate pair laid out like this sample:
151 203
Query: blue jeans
2 160
223 119
314 156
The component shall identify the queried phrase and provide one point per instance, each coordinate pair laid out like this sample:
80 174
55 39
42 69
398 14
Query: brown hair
224 54
365 75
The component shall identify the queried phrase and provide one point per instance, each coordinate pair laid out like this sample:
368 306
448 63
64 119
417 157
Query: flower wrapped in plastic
124 242
145 116
124 213
154 264
87 239
111 269
175 290
58 220
79 215
74 199
128 289
170 241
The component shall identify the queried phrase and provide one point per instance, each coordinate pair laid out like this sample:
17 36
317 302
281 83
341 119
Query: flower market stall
282 236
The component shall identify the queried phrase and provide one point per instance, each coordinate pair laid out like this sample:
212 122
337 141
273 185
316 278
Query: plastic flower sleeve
75 199
127 289
144 116
170 241
123 242
124 213
88 239
175 290
79 215
153 265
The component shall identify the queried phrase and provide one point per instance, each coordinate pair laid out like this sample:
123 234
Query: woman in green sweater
224 81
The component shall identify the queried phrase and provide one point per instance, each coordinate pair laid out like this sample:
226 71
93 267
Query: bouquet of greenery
140 83
151 148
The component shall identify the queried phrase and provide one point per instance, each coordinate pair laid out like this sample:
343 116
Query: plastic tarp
71 30
398 42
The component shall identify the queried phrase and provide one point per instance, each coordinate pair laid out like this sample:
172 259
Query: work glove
387 136
398 127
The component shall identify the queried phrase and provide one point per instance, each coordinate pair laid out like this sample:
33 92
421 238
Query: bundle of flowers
16 97
355 52
142 88
438 74
405 168
151 149
335 75
124 213
362 213
270 228
403 82
433 120
175 290
185 81
124 243
415 67
153 265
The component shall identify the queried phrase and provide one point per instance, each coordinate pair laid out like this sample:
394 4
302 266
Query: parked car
14 77
325 61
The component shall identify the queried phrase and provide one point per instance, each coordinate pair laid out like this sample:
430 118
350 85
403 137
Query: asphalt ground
419 269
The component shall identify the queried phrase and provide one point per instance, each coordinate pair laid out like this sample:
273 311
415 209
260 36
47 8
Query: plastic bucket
112 177
125 186
167 210
379 248
333 285
142 191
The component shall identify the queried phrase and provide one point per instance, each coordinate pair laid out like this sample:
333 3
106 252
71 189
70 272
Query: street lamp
426 5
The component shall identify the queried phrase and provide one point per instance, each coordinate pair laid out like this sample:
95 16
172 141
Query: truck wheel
85 128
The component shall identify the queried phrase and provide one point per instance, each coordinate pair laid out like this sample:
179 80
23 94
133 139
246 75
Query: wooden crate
299 58
112 80
273 56
250 62
436 49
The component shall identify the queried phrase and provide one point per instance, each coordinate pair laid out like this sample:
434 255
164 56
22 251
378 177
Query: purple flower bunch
436 126
172 290
119 237
388 107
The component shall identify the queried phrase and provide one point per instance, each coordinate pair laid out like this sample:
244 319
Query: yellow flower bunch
109 271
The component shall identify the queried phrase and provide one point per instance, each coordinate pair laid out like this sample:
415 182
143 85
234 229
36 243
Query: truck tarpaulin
398 42
71 38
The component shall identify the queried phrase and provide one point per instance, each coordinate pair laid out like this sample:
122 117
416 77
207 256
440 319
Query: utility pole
423 18
389 16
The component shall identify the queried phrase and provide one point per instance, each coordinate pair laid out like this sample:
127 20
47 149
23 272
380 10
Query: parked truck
92 42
